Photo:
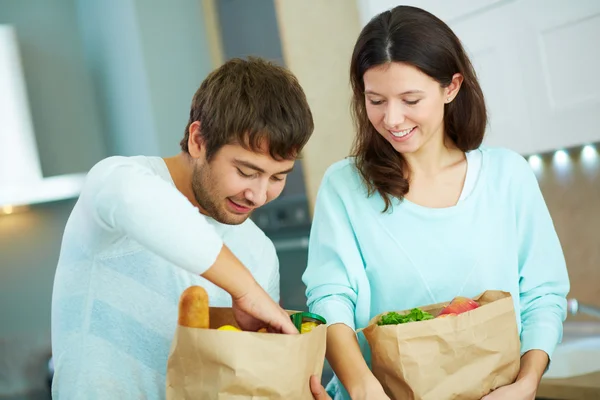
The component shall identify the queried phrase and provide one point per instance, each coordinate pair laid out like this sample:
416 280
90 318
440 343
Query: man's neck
181 169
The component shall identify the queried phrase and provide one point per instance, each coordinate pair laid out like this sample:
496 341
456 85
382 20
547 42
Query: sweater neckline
457 208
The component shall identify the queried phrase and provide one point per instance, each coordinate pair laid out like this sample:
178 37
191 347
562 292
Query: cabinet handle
291 244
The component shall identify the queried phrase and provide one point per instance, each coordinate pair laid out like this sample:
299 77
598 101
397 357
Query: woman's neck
433 157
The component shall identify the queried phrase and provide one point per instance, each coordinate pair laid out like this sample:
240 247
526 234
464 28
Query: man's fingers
284 324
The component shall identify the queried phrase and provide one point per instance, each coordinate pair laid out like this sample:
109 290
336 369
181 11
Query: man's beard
205 191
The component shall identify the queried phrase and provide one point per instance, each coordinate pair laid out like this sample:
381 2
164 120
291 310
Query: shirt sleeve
544 282
129 198
334 260
272 262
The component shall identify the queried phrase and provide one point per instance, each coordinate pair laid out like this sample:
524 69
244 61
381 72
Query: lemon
308 326
228 328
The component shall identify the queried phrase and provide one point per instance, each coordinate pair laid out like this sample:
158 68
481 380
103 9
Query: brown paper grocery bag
207 364
462 357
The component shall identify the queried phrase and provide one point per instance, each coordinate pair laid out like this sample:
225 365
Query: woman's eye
376 102
412 103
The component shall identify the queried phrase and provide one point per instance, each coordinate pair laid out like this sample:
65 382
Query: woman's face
406 106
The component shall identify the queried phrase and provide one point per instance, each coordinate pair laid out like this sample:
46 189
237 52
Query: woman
421 213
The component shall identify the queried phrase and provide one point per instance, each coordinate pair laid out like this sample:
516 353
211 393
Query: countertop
584 387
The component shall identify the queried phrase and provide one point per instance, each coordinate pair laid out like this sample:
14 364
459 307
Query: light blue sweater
363 262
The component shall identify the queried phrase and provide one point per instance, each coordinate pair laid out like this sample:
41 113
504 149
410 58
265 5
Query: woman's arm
543 278
543 285
333 275
346 359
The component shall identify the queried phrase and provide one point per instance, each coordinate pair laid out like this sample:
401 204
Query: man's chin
229 218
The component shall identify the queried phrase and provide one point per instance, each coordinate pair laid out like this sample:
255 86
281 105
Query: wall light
589 154
561 158
536 162
7 210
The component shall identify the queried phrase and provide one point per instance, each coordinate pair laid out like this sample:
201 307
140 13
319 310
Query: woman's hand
520 390
317 390
370 390
533 364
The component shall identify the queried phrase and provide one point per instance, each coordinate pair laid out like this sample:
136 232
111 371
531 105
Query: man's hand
255 309
318 391
252 306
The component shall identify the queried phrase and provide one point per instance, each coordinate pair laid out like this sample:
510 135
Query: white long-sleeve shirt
132 244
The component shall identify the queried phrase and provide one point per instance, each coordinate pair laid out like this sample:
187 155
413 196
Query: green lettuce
393 318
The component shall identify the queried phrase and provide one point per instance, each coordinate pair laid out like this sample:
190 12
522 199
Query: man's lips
238 207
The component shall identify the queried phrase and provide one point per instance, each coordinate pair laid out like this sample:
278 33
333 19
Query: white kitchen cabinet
538 62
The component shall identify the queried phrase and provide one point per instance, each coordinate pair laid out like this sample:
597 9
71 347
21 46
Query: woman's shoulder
503 160
343 175
508 170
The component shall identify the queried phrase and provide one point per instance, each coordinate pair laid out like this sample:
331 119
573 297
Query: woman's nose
394 117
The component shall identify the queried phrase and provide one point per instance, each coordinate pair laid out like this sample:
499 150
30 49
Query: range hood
21 180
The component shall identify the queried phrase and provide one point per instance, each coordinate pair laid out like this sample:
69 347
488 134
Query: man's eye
276 178
243 174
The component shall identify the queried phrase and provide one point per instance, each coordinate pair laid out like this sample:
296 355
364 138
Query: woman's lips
404 137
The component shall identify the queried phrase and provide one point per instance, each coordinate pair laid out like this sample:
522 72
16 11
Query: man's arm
127 197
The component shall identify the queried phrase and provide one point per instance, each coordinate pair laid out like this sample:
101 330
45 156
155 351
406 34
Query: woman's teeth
401 133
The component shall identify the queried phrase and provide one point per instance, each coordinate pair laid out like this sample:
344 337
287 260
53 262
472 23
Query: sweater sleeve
129 198
334 260
544 282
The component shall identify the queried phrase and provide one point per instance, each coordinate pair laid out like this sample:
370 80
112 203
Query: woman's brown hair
413 36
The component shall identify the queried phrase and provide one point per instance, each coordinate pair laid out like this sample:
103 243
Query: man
146 228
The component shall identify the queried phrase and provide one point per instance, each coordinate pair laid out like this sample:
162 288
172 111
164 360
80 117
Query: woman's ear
451 91
195 141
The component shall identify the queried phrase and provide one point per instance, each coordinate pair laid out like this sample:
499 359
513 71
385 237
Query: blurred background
81 80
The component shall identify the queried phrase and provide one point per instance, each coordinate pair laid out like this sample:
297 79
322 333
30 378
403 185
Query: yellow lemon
228 328
307 326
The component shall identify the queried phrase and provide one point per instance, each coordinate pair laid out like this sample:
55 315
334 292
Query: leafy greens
393 318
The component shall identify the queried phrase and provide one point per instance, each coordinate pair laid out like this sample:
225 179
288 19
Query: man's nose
257 194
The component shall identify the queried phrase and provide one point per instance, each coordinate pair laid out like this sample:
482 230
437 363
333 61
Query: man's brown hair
253 103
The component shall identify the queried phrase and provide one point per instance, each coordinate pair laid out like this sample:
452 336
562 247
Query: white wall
103 77
537 61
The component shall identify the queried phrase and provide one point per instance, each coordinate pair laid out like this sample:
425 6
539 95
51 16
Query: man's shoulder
250 230
112 167
252 239
112 162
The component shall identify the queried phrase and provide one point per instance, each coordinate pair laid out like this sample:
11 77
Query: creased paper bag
462 357
207 364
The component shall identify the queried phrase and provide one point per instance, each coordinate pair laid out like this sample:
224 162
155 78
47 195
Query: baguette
194 308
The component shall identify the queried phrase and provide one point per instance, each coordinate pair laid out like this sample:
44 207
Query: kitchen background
106 77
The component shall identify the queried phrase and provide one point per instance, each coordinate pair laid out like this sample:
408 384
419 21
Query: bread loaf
193 308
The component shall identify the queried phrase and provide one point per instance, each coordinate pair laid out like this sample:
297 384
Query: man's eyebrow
249 165
285 172
259 169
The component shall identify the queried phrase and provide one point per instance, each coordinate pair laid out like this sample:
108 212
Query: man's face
236 181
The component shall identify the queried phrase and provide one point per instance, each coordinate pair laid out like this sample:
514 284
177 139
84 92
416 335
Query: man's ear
195 141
